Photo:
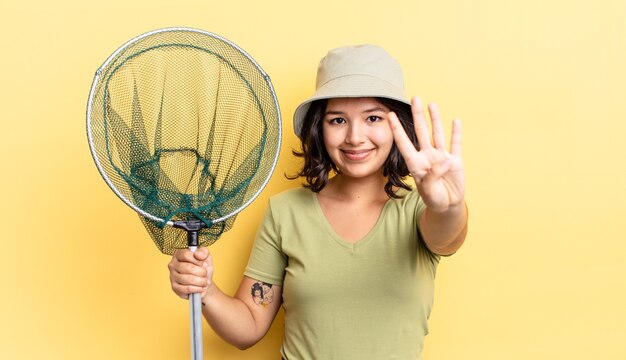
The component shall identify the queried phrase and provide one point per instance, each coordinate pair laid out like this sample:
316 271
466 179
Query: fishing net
184 126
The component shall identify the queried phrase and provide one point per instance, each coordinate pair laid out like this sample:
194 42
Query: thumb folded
201 253
440 168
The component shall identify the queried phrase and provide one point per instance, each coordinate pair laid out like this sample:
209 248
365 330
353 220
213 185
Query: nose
356 133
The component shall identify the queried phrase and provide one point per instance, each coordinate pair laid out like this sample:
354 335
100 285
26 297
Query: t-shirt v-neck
353 246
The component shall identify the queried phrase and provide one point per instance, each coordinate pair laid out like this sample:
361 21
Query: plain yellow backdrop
540 86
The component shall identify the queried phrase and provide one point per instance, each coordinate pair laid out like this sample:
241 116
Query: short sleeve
267 261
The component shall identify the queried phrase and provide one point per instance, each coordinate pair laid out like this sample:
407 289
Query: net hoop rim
92 93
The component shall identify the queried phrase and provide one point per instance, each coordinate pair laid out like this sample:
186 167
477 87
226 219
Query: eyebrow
371 110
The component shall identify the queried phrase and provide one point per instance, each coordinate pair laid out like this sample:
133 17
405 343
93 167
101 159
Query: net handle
193 227
195 320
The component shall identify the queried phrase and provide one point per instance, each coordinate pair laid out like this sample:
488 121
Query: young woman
352 255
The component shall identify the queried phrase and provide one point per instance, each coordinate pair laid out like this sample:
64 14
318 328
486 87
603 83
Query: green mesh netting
183 125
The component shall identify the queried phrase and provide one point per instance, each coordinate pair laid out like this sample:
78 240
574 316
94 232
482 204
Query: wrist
208 294
451 210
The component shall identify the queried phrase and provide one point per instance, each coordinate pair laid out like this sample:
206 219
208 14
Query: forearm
230 318
444 232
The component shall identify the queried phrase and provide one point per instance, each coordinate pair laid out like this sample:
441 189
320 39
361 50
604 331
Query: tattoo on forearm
262 293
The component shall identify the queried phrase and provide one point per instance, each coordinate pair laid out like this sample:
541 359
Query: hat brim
349 87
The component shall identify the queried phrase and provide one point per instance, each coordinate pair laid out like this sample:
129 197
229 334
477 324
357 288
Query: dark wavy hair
318 164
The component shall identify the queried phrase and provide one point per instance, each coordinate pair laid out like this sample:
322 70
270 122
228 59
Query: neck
355 189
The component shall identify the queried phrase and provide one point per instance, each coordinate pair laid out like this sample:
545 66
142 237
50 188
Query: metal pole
193 227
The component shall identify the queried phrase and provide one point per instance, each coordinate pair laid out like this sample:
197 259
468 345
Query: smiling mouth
356 155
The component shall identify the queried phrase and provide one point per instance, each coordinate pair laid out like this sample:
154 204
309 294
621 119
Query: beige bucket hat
355 71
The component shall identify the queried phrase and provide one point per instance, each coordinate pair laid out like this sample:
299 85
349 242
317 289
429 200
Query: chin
359 173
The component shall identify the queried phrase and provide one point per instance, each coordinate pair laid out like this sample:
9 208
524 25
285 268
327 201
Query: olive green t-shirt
342 301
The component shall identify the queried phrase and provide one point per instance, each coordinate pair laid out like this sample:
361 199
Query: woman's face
357 135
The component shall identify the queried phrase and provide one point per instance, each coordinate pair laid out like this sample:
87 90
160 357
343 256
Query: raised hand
438 173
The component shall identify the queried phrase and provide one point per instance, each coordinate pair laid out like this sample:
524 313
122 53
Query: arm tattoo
262 293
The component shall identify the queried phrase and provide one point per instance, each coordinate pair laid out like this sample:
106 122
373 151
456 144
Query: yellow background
540 86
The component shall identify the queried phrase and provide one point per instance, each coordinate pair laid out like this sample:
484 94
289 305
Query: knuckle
190 279
188 268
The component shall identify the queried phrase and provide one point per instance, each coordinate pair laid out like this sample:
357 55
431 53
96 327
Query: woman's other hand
191 272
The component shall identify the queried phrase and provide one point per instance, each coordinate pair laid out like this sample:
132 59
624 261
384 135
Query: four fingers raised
427 139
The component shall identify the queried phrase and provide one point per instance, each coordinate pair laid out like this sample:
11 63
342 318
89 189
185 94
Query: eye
373 118
336 121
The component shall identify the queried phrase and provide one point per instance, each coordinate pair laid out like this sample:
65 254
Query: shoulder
291 211
408 200
408 208
291 197
291 202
